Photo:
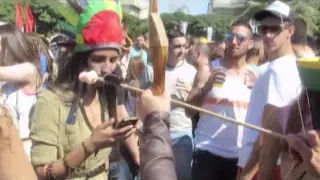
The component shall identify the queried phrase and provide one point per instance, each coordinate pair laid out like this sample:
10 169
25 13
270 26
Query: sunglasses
264 29
239 37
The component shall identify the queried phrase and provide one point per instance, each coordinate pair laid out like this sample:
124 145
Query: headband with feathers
96 24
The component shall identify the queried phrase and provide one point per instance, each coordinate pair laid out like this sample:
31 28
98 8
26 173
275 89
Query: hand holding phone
128 121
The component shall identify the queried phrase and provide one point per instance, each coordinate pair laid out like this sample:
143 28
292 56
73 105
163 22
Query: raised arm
20 73
196 95
12 156
157 160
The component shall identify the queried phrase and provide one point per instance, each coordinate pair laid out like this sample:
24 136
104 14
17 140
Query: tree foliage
309 10
136 26
48 17
43 10
197 24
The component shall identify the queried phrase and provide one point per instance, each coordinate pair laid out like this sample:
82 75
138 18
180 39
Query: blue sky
194 6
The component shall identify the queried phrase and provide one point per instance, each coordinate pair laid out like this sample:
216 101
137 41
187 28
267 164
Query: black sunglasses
239 37
264 29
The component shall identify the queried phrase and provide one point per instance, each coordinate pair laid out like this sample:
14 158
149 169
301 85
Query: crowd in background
251 77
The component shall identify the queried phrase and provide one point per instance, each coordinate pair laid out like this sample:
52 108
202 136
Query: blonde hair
135 69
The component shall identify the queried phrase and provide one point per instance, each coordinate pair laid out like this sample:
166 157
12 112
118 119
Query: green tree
44 11
306 9
47 15
7 11
136 26
198 24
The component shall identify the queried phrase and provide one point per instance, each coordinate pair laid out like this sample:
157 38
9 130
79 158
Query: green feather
95 7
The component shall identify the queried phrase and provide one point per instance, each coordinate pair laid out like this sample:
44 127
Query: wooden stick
229 119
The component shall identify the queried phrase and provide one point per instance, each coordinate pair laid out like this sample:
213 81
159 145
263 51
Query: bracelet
49 173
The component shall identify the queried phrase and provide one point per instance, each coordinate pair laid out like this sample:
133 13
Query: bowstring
300 113
296 162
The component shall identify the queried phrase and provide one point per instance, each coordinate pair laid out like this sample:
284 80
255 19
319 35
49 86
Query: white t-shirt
186 72
231 100
19 104
278 86
263 68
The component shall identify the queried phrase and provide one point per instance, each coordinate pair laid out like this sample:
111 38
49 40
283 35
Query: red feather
104 28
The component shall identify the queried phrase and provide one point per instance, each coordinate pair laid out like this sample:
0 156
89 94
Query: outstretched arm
12 155
271 146
196 96
251 168
157 162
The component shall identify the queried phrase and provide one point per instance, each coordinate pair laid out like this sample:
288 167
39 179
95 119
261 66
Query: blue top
136 52
43 67
43 64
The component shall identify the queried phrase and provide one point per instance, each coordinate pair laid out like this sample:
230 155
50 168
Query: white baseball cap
278 9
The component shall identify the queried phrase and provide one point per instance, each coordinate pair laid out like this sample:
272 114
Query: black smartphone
128 121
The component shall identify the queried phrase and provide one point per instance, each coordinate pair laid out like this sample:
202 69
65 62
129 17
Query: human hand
307 147
148 103
202 60
217 76
90 77
184 88
106 136
250 78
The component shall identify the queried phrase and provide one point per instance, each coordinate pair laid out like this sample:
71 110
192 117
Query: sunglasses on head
231 36
264 29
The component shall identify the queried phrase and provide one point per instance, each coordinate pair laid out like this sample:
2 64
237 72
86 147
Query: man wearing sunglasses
225 89
276 88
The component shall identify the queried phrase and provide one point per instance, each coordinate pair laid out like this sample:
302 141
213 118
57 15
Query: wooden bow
158 48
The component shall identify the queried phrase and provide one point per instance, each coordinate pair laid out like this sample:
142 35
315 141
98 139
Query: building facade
137 8
229 4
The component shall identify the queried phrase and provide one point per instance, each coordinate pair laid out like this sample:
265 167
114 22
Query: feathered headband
97 26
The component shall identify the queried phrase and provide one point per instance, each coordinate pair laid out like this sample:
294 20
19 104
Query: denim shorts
119 170
182 147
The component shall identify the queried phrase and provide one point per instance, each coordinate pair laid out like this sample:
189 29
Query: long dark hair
15 48
68 87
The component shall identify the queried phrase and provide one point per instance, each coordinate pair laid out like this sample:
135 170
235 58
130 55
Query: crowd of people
69 122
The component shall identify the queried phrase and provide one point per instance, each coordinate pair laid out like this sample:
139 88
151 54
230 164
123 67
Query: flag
29 19
19 22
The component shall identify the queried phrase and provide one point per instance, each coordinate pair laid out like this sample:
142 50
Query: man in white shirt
179 77
223 88
276 88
